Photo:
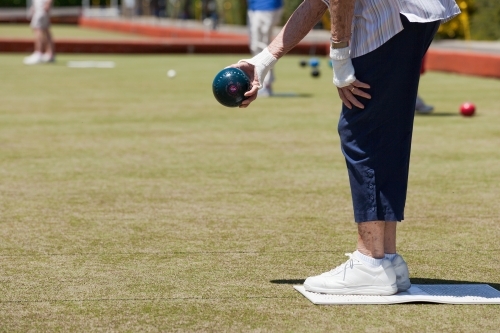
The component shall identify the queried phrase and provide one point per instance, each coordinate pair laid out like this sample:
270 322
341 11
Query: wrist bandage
263 62
343 71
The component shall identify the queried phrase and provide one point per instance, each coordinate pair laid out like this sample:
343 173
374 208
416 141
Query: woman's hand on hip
348 94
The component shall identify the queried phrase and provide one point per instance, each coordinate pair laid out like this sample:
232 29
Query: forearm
303 19
341 13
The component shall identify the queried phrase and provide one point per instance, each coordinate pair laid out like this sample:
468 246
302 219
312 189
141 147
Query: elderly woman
376 49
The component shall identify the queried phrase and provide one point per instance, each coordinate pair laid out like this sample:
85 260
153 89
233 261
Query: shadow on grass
442 281
437 114
290 281
413 280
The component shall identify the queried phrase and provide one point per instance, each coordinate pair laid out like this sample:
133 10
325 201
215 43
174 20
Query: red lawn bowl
467 109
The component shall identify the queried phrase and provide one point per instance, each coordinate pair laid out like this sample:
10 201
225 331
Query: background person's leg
257 26
36 56
263 22
273 17
254 32
39 40
49 51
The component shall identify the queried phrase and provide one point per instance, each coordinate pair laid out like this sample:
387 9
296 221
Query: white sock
368 260
390 256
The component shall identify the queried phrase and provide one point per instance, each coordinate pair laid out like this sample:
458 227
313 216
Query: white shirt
377 21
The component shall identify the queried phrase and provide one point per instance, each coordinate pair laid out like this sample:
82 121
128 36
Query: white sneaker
46 57
265 92
421 107
355 278
402 273
35 58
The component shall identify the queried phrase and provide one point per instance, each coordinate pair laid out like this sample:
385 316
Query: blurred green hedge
479 20
12 3
485 21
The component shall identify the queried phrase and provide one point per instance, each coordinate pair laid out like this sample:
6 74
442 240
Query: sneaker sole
360 290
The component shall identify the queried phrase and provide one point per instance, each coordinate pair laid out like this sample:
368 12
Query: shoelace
349 263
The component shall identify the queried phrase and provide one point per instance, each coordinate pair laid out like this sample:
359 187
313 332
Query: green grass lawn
65 31
134 202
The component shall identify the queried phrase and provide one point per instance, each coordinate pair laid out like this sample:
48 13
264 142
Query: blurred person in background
263 16
40 23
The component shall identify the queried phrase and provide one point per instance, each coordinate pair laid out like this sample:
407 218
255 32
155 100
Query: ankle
374 253
368 260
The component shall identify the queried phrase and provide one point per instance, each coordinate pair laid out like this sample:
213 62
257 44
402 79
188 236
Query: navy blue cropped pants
376 140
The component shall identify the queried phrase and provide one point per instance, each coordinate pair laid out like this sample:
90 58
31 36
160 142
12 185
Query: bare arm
297 27
341 13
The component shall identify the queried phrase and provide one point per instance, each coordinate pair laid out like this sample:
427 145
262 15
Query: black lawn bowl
230 86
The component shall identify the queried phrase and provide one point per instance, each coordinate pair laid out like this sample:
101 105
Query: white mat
91 64
434 293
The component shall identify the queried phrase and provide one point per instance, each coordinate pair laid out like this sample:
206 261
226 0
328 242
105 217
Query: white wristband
343 71
262 62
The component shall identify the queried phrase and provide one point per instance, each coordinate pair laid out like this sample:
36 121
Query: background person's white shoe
402 273
35 58
265 92
355 278
421 107
48 57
